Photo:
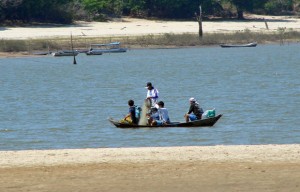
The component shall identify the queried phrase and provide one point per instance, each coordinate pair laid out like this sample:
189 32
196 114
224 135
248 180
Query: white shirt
163 115
153 94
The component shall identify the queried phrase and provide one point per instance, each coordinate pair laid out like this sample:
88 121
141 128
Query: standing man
195 111
152 94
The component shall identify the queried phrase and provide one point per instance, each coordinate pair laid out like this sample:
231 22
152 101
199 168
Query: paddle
74 60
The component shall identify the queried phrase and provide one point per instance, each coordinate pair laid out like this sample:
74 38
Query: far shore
139 33
136 27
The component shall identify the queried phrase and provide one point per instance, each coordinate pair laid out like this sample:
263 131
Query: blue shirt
132 114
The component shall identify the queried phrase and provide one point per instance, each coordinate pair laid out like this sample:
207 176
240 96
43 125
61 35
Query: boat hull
199 123
242 45
101 51
113 47
65 53
119 50
94 53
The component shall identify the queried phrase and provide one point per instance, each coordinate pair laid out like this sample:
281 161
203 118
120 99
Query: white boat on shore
99 49
94 52
253 44
65 53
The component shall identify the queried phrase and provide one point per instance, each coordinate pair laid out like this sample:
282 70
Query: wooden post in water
74 59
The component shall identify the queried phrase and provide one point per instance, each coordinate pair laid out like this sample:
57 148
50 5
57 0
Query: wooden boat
114 47
94 52
65 53
253 44
82 50
199 123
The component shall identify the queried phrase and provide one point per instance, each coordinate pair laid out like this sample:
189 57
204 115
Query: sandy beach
187 168
127 27
135 27
192 168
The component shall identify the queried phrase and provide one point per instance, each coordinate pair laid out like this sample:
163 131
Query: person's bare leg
153 123
186 116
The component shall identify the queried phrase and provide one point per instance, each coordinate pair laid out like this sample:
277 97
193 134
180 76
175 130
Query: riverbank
201 168
141 33
143 27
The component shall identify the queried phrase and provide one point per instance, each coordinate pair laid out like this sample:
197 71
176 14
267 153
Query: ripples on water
49 103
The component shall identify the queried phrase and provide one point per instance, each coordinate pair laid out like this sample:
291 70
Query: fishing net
145 109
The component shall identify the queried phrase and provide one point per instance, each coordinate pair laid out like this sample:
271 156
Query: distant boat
65 53
253 44
94 52
114 47
82 50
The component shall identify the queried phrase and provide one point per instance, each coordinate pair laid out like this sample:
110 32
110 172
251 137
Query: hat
192 99
149 84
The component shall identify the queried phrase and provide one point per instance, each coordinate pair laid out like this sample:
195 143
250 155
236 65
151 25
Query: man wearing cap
152 94
195 112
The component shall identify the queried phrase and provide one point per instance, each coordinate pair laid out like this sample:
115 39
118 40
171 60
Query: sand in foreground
166 176
215 168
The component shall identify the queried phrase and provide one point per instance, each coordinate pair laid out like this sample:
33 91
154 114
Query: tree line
66 11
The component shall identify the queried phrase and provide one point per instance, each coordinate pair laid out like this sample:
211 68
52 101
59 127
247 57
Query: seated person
163 115
152 115
130 117
195 112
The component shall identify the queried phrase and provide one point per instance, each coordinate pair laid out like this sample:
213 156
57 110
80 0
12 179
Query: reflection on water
49 103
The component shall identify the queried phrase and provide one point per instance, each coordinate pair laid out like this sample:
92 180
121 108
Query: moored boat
65 53
253 44
98 49
94 52
208 122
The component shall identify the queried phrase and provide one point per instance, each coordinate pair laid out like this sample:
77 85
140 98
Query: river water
49 103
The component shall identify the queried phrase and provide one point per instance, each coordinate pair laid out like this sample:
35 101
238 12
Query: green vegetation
152 41
66 11
17 12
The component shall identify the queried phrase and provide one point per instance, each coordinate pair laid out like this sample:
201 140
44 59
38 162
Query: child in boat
163 115
152 115
195 111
